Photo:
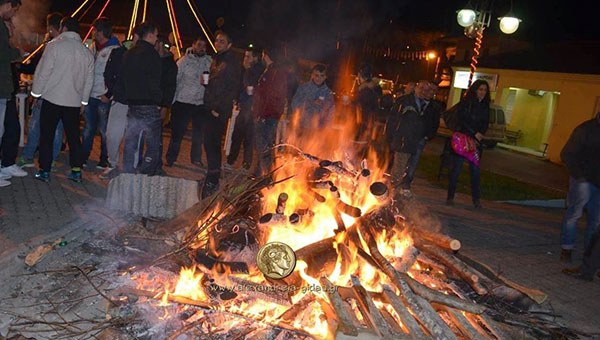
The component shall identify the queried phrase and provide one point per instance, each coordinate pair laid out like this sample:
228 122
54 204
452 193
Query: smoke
30 22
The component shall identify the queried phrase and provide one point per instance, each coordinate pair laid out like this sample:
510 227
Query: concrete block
151 196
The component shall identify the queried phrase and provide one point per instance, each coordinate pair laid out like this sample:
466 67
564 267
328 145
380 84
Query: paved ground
520 242
517 165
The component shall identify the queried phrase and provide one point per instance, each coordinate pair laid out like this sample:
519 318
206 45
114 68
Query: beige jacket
65 74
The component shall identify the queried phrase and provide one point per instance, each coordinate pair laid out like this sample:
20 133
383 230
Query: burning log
341 226
319 198
346 325
290 315
271 293
373 315
407 319
281 200
211 263
428 317
321 185
408 259
456 265
347 209
462 323
337 167
380 191
301 215
271 219
423 259
438 239
423 291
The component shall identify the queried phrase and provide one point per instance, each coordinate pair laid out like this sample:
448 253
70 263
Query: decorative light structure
466 16
509 23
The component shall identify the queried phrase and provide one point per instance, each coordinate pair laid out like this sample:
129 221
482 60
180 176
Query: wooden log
425 260
496 329
408 259
346 325
408 320
438 239
372 314
428 317
462 323
290 315
456 265
423 291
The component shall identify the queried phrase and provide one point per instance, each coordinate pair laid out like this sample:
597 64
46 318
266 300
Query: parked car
495 133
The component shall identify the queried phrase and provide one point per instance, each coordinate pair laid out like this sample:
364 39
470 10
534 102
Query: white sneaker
14 171
4 183
4 176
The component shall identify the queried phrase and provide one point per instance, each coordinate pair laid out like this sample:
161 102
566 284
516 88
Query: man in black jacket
142 75
432 112
407 126
222 90
581 155
168 84
244 124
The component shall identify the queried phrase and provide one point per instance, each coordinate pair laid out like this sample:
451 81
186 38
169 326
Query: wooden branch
346 325
409 257
407 319
373 315
438 239
456 265
462 323
494 328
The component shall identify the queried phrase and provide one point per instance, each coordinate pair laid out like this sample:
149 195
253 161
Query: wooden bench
513 136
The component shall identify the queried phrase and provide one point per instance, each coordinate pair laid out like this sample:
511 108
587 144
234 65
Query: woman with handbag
472 120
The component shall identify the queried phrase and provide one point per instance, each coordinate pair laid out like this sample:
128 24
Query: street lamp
509 23
466 16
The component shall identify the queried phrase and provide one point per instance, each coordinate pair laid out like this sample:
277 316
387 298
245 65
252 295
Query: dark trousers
591 257
96 118
455 172
12 133
144 126
266 131
242 134
214 129
413 163
49 117
181 114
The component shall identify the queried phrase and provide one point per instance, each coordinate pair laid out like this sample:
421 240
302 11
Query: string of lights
208 38
79 9
173 29
476 53
99 15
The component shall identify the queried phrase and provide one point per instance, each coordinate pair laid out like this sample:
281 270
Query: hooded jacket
102 57
189 78
8 54
224 84
408 124
314 104
113 76
65 74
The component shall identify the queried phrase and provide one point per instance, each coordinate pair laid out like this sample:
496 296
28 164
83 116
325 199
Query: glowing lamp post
475 21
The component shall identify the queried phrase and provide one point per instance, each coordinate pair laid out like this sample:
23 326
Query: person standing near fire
63 80
33 132
581 155
142 69
243 134
473 117
313 101
96 112
189 102
269 105
222 90
406 129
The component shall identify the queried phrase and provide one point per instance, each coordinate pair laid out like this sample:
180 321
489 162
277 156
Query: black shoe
566 255
450 202
477 204
246 166
198 164
169 164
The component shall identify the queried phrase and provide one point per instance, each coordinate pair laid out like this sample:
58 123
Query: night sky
312 24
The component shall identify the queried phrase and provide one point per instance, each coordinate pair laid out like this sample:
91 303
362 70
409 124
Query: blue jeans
413 162
455 172
266 131
33 135
144 125
582 195
96 117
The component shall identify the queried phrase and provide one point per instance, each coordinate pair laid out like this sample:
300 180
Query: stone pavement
520 242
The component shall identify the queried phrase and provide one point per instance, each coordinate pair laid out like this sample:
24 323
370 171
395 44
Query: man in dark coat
406 128
581 155
244 124
222 90
142 76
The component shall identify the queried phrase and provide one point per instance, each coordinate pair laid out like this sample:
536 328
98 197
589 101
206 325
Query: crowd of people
125 94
